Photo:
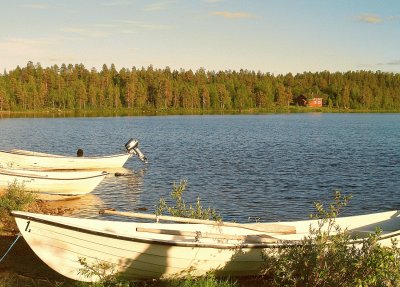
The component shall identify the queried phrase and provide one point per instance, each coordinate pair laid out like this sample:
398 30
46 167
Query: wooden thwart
262 227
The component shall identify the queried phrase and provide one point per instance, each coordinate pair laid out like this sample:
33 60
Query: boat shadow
164 261
24 265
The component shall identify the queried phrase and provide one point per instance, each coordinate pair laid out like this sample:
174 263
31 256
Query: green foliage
107 277
182 209
14 198
73 87
206 281
13 280
327 256
103 271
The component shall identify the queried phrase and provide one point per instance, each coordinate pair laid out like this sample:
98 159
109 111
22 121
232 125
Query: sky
270 36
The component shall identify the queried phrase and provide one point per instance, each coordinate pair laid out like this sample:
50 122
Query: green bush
14 198
182 209
326 257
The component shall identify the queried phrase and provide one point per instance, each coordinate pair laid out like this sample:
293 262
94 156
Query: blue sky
278 37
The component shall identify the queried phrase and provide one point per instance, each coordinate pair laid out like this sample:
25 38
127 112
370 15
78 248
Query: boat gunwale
148 241
66 156
279 244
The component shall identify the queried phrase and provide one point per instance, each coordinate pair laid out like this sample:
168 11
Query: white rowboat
53 182
161 250
17 158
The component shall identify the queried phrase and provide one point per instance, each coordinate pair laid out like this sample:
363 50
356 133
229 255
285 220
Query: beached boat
17 158
163 250
53 182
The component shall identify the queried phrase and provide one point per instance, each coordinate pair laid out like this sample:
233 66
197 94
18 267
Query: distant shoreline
174 112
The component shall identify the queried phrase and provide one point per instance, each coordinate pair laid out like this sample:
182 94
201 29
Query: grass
208 281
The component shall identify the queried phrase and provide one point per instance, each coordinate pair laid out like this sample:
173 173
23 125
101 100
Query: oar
262 227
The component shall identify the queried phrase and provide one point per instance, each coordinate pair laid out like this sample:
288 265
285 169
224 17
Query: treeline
34 88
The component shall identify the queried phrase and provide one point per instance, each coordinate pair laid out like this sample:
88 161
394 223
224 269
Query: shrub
104 271
107 276
14 198
182 209
326 257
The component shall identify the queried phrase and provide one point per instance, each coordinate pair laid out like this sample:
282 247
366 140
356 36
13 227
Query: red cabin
315 102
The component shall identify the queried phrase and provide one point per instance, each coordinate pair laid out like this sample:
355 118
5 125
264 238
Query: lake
248 167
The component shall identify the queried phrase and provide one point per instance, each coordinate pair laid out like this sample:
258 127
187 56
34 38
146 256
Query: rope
11 246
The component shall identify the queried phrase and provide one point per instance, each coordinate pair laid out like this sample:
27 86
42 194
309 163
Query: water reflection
121 189
85 206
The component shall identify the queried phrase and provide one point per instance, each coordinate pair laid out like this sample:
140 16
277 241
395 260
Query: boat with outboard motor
23 159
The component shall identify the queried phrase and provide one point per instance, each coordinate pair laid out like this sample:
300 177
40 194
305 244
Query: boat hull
61 242
49 182
134 256
34 160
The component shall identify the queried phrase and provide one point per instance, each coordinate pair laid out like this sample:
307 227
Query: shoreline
124 112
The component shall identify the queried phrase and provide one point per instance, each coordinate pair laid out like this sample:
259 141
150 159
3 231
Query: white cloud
34 6
86 32
232 15
369 18
24 45
18 51
142 25
157 6
117 3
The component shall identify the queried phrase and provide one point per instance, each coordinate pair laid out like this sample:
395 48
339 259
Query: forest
74 87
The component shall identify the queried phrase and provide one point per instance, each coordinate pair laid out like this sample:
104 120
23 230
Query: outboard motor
132 147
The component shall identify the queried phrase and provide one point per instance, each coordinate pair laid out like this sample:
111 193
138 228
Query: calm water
269 166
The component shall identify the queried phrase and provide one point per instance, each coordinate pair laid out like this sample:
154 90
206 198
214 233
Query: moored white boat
23 159
53 182
159 250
